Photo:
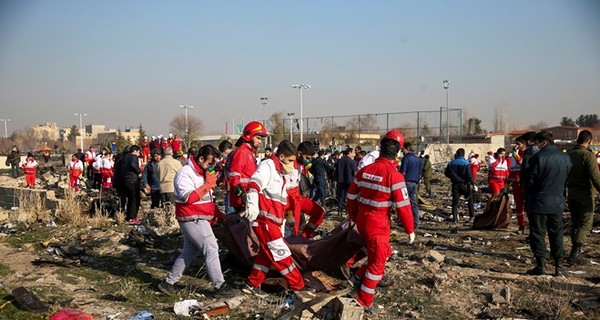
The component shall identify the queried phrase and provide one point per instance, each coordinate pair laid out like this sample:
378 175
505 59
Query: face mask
306 162
287 167
211 168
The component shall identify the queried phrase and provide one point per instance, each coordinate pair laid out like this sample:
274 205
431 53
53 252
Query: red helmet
396 136
254 128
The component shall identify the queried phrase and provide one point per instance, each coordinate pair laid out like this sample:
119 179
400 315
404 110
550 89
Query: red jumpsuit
107 171
270 185
375 189
176 144
30 168
497 174
514 177
75 169
475 163
146 151
243 166
299 204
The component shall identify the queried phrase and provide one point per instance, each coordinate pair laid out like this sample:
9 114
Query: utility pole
291 115
301 87
264 100
446 86
81 130
187 128
5 129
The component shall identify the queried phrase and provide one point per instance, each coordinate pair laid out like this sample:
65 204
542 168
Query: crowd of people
292 183
539 175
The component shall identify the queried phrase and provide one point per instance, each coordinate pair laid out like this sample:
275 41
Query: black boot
539 267
558 269
576 257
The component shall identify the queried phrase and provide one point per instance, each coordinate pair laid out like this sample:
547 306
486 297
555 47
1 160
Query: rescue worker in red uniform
498 172
475 163
374 190
243 163
163 145
75 168
176 144
145 150
107 171
297 203
30 167
266 202
514 178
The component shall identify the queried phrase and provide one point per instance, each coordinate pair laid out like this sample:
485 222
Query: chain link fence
443 125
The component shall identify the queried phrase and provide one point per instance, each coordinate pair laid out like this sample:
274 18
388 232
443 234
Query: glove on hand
210 179
411 238
239 190
475 188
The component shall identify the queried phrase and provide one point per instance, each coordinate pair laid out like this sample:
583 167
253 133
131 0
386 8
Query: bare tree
28 139
276 127
500 117
425 130
367 122
407 129
538 126
194 126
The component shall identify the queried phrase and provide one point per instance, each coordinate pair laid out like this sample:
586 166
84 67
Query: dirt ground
450 272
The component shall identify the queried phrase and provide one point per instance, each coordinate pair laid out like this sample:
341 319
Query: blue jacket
459 171
150 176
411 167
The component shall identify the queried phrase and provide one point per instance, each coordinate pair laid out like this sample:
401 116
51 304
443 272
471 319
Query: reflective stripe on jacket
272 194
376 188
189 178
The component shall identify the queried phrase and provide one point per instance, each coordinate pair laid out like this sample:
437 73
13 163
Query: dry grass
31 204
120 218
69 211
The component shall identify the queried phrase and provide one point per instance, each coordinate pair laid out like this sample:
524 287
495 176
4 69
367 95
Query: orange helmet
254 128
396 136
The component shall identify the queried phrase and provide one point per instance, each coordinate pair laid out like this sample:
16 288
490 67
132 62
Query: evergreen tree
121 141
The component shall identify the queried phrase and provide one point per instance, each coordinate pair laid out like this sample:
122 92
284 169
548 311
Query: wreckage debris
28 301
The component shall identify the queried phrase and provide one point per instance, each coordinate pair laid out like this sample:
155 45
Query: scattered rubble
451 271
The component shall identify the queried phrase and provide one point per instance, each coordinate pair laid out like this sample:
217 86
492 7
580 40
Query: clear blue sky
130 62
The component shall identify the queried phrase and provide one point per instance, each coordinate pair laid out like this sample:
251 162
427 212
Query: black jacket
320 167
130 168
14 158
345 170
546 177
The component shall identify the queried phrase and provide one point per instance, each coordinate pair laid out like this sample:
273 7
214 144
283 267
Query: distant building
106 137
566 135
93 130
47 132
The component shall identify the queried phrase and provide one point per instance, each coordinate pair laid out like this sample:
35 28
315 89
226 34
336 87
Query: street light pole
187 129
263 100
5 130
301 87
291 114
81 129
446 86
